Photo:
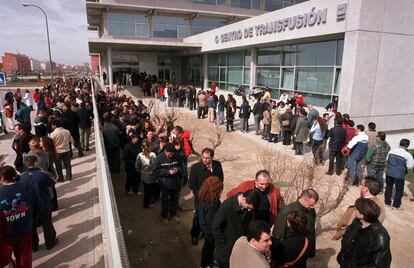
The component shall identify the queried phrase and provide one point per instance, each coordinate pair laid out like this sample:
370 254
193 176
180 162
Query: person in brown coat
370 188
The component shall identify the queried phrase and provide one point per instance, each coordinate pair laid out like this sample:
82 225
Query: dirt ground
151 243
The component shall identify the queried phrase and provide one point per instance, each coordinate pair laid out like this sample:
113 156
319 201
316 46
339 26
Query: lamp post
48 39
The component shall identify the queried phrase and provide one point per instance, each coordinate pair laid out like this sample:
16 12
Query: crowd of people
44 147
253 227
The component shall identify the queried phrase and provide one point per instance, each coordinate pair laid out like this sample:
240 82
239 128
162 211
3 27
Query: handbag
289 264
285 123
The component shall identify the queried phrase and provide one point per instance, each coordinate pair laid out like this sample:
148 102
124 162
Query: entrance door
164 74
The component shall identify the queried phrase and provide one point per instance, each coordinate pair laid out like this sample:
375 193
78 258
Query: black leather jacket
368 247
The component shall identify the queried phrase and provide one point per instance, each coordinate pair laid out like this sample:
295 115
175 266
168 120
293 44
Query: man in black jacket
199 172
85 117
131 151
336 136
230 223
258 109
72 120
167 167
306 205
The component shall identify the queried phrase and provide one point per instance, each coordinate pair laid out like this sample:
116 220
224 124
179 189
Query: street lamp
48 39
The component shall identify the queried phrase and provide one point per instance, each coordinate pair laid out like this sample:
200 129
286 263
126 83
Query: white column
205 70
253 52
110 68
100 69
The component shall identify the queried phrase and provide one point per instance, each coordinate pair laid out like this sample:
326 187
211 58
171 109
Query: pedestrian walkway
78 220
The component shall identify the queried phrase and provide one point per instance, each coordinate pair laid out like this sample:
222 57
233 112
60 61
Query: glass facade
230 69
314 69
170 27
130 25
200 25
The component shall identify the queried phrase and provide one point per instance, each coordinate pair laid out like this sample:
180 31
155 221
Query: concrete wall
377 70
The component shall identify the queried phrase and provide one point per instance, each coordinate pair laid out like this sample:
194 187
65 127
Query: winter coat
245 110
275 126
184 137
143 166
267 118
273 196
336 136
130 154
301 130
365 247
162 166
287 116
202 100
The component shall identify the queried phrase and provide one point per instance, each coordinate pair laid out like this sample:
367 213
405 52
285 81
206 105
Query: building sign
309 19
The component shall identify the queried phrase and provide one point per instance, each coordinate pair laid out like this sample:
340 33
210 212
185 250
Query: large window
170 27
250 4
123 24
230 69
202 25
191 69
314 69
316 54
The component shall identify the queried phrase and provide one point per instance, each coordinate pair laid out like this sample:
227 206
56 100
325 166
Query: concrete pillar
205 70
253 53
150 26
105 23
100 68
109 59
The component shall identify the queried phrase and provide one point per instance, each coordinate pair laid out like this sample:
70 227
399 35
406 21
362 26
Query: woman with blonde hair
209 203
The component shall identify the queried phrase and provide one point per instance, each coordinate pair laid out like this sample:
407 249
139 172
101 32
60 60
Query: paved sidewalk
78 221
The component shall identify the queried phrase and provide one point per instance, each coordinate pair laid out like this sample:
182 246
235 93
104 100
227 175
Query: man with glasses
249 250
305 204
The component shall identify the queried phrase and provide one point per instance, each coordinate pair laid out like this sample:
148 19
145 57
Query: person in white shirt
284 97
28 98
359 147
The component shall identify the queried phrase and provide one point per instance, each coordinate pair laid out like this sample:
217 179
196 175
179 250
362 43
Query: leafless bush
216 135
293 176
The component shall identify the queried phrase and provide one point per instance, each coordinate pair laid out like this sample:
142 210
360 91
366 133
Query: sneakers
395 208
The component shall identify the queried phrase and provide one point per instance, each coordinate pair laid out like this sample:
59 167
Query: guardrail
113 240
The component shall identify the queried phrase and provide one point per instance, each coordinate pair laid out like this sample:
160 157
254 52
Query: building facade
16 63
359 50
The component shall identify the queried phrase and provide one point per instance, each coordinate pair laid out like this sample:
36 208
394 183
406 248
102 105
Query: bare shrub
216 135
293 176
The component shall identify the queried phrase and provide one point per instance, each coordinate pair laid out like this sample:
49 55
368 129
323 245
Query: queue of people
44 147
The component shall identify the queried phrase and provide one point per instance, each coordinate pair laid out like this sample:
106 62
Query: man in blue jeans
399 161
359 147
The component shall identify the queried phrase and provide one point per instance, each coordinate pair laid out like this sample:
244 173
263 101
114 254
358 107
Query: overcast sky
23 30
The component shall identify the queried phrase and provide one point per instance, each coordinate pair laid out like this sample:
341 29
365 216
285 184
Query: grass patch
410 175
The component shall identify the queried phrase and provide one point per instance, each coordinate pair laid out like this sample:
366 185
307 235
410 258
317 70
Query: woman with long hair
319 129
143 165
41 155
220 108
209 203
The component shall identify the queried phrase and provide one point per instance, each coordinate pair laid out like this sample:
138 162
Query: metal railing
113 240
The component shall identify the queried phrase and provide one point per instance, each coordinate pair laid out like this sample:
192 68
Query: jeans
376 172
211 111
207 252
191 105
266 131
399 191
85 133
132 180
220 117
169 201
244 124
355 170
65 158
195 228
150 190
201 112
337 157
257 118
317 152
